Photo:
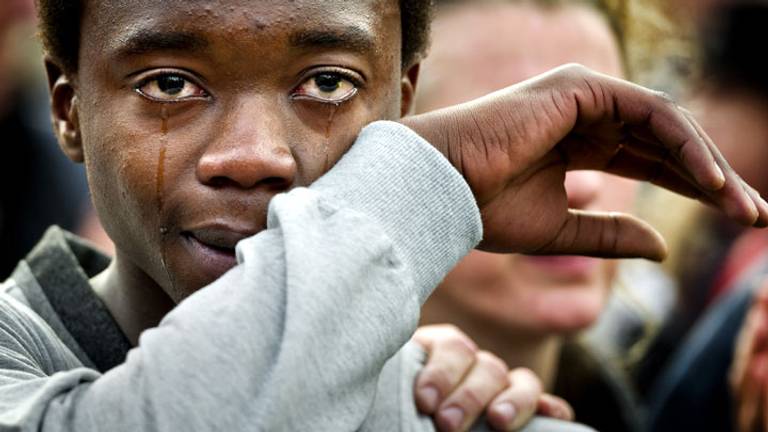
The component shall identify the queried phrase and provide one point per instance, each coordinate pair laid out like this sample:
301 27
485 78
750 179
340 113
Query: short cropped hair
60 30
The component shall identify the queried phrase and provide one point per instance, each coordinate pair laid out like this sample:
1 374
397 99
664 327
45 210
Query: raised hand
514 146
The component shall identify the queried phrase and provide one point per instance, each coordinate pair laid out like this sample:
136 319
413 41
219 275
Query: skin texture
517 294
749 370
211 163
520 306
172 171
735 119
516 306
453 358
177 184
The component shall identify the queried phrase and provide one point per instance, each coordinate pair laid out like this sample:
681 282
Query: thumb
607 235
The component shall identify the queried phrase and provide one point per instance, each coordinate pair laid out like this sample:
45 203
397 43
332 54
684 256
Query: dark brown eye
171 84
327 87
328 83
170 88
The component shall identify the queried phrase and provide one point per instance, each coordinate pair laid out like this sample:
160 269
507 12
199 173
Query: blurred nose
582 188
250 151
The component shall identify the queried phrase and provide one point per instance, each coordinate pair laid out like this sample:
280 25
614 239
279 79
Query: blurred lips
565 266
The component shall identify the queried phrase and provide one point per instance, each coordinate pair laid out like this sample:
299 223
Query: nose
250 150
582 188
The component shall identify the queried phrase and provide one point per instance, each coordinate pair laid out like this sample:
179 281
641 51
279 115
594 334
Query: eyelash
157 74
354 78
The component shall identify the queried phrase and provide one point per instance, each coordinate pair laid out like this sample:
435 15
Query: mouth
213 248
565 266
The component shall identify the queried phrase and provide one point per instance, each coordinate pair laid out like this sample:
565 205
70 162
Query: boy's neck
135 301
539 353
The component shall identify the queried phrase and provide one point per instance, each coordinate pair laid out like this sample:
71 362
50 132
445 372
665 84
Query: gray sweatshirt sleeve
295 336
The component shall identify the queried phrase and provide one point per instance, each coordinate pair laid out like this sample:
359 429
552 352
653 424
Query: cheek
486 285
616 194
507 291
567 308
122 166
321 134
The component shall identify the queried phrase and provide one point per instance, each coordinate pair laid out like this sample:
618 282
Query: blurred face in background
12 11
532 295
736 121
13 14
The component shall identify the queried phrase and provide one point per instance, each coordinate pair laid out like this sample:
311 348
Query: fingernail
428 396
450 418
720 177
505 411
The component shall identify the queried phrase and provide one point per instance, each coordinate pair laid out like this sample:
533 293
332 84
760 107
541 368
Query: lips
218 238
213 248
565 266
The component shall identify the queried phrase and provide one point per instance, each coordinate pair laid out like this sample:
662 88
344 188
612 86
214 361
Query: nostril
220 182
245 167
276 182
271 183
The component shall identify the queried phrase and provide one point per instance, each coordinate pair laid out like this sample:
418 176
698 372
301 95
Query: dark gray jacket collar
62 265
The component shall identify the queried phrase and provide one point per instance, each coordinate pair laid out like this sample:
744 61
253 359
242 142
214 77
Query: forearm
295 336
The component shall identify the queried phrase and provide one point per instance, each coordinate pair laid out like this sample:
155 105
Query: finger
760 328
606 235
746 342
751 412
764 408
746 412
659 171
659 114
746 207
761 296
515 406
638 159
451 355
760 205
694 151
555 407
484 381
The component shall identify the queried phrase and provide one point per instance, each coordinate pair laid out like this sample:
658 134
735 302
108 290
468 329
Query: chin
567 312
569 324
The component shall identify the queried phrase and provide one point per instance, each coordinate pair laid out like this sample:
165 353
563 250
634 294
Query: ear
66 124
408 89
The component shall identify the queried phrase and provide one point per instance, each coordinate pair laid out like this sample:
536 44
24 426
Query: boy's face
191 115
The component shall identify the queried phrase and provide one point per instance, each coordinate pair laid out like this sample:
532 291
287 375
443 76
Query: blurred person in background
525 308
39 187
685 375
748 378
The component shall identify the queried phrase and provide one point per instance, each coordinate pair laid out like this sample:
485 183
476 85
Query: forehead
112 24
519 40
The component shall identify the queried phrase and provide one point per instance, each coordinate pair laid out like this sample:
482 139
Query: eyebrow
145 41
350 38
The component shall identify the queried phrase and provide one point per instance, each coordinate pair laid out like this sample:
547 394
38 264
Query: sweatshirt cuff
414 193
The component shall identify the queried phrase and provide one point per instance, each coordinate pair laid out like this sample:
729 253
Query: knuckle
665 97
526 377
472 400
460 345
439 378
453 332
493 364
577 68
